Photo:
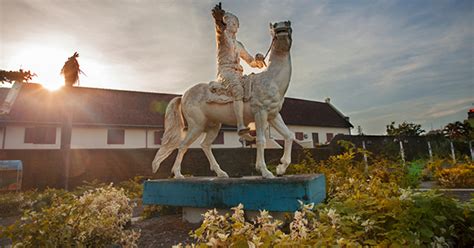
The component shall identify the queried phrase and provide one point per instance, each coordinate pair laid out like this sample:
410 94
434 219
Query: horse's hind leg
281 128
192 134
211 134
260 124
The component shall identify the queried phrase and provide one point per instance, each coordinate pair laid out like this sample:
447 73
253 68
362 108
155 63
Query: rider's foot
245 134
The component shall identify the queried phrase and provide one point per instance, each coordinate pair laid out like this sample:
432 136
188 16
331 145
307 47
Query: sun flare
45 61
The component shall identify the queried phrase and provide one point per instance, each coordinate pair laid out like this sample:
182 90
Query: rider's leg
239 113
237 94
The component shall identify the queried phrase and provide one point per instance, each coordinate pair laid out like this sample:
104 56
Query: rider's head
232 22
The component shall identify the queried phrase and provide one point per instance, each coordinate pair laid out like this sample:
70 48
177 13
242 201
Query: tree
404 129
458 131
19 76
71 70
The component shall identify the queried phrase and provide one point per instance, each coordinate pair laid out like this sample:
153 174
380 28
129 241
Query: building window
40 135
115 136
329 137
315 139
219 139
299 135
158 137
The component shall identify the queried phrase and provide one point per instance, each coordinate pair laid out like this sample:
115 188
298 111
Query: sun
43 60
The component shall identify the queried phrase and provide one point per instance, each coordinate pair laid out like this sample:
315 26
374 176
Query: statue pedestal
197 194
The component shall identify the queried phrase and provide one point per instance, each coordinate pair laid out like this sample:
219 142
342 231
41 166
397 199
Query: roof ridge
99 89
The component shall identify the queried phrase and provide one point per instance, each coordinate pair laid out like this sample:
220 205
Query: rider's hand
260 60
218 12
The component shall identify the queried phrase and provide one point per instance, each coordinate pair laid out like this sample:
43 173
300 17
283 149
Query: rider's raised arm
218 14
247 57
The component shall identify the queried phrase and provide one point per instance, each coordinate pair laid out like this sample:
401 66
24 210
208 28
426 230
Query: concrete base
279 194
195 215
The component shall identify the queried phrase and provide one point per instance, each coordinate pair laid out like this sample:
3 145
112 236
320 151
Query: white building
116 119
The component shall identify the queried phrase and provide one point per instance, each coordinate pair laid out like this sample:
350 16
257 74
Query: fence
408 148
45 168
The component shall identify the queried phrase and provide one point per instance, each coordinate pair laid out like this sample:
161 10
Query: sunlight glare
46 62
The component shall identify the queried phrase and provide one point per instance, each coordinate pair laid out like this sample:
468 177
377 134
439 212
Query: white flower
406 194
368 225
340 241
222 236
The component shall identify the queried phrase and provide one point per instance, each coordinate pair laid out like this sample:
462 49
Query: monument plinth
279 194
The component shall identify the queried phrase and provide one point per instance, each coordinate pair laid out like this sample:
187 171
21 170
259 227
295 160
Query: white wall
15 139
96 138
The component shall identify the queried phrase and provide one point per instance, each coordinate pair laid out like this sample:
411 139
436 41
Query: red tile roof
93 106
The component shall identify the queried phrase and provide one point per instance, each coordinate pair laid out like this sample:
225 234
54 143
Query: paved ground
164 231
461 194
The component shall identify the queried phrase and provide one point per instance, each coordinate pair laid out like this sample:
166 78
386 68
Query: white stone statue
205 107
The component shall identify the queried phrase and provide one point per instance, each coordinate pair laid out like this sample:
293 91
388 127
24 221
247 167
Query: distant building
117 119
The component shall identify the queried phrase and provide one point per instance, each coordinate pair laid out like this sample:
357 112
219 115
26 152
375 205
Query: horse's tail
174 130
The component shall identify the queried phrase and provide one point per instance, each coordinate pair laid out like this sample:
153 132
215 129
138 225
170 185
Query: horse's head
281 33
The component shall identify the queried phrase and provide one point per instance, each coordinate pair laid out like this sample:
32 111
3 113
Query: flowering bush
458 176
369 207
95 219
11 203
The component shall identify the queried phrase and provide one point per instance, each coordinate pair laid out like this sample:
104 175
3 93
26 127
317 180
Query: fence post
430 151
402 152
471 150
366 168
453 155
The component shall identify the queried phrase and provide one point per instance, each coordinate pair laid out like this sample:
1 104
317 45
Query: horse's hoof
179 176
223 174
268 174
280 170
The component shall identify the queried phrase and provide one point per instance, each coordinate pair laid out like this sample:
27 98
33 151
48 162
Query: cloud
378 61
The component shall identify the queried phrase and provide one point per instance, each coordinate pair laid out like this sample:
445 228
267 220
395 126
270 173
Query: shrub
11 204
459 176
95 219
363 208
133 187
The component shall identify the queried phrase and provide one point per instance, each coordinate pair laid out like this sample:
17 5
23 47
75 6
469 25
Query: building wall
96 138
15 139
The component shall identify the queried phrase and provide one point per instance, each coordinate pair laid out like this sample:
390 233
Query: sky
378 61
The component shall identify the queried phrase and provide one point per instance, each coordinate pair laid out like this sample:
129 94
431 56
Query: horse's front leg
283 130
260 124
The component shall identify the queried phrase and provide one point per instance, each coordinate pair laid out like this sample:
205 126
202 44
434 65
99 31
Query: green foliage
458 131
404 129
19 76
415 173
363 208
11 204
133 187
94 219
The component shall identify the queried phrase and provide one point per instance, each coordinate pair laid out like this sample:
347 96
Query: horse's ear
289 23
271 25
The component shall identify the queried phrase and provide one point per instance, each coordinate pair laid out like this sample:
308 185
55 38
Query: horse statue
267 92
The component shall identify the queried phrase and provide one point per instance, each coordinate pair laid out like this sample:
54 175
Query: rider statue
229 70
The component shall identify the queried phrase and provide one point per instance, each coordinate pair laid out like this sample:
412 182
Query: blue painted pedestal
279 194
